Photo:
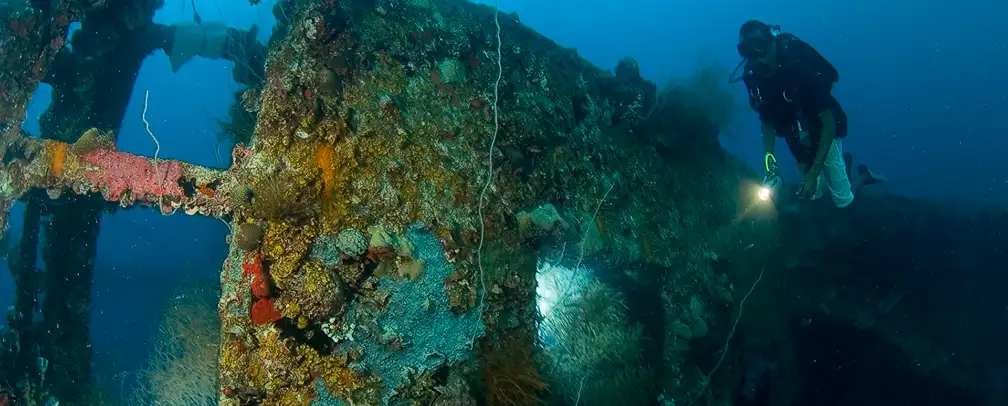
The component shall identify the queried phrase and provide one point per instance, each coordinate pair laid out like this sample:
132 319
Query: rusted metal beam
93 165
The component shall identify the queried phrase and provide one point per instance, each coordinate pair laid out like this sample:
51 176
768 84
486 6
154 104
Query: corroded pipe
93 164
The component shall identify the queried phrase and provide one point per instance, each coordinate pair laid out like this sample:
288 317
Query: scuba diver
789 85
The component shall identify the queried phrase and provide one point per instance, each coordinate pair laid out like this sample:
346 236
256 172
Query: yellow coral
338 378
392 168
287 247
316 292
256 373
316 276
272 350
294 397
290 309
231 356
335 166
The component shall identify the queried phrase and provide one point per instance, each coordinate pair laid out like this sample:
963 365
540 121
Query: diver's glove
772 180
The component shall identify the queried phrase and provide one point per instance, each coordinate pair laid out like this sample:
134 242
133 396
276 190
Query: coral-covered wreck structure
432 204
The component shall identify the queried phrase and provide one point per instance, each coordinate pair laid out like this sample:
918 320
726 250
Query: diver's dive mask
752 48
754 44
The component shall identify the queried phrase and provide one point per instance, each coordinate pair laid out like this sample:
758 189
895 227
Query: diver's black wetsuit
793 96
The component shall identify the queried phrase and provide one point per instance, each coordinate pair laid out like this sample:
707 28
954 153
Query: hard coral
326 249
286 247
317 296
352 243
248 236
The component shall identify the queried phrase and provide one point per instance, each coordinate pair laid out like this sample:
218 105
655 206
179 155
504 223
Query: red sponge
264 313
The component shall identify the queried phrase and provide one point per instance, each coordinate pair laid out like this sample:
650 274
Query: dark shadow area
926 274
844 365
890 301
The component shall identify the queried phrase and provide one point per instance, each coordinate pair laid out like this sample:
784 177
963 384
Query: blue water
923 83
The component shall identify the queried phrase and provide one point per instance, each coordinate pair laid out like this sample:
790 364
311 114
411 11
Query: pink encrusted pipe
116 172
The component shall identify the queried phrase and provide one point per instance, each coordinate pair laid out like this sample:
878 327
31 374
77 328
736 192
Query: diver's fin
869 177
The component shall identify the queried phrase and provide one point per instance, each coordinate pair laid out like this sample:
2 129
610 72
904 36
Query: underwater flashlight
766 190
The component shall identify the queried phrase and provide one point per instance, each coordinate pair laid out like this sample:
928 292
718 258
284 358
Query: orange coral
206 190
325 161
57 157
